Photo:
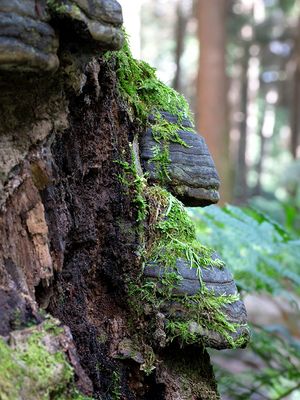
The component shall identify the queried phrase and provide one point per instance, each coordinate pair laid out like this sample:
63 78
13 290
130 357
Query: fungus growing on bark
29 42
187 281
176 157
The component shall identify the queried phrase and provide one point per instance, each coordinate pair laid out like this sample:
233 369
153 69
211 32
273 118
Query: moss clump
143 91
59 7
146 95
132 181
173 236
32 368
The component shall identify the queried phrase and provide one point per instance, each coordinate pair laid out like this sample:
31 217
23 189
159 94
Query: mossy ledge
34 366
189 319
147 96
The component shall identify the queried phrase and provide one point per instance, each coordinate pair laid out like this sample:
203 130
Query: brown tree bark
212 88
70 244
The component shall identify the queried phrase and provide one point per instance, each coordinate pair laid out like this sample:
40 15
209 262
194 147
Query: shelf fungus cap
92 20
27 41
192 175
208 305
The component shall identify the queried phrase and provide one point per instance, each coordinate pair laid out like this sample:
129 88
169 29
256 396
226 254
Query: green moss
59 7
204 309
149 361
132 181
143 91
172 236
116 385
31 368
146 95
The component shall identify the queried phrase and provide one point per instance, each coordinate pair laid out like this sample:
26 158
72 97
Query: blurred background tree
238 64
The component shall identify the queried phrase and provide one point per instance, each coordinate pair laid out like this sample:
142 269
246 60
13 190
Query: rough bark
69 240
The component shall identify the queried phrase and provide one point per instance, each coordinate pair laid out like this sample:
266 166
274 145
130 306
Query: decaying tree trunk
70 234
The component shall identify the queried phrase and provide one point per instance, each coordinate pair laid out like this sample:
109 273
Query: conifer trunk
212 88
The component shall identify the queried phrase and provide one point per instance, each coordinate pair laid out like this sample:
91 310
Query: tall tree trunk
259 166
179 37
212 87
295 123
241 187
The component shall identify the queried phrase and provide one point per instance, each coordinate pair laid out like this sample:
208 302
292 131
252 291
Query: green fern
261 254
264 257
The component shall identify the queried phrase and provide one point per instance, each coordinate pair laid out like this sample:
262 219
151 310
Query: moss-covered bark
71 239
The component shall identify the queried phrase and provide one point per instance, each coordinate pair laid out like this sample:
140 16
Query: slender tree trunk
180 30
295 122
259 166
212 87
241 175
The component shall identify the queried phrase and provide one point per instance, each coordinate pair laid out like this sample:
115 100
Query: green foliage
264 258
261 254
288 6
277 375
56 5
116 385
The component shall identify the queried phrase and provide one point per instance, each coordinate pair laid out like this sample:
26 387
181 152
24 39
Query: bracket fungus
190 171
183 310
29 42
187 282
97 20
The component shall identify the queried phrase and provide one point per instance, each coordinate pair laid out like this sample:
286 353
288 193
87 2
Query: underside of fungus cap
177 157
97 21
